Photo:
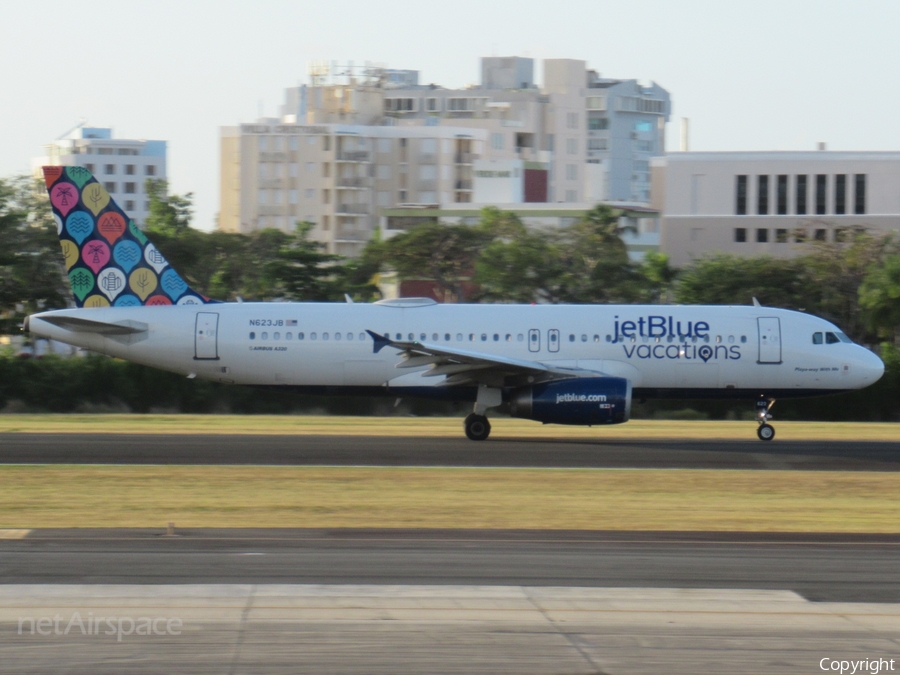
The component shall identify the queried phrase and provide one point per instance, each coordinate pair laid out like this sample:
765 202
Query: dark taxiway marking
853 568
406 451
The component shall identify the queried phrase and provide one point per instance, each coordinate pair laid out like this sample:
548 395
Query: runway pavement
409 630
390 451
846 568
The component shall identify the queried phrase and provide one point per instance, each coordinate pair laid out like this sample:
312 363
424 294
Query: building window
801 195
326 143
129 205
431 104
89 167
782 206
596 144
859 194
572 146
293 193
762 195
840 194
740 234
401 195
326 225
597 123
109 169
762 235
326 170
129 169
740 207
326 196
821 235
571 120
497 141
571 172
571 195
821 194
110 187
781 236
150 170
130 188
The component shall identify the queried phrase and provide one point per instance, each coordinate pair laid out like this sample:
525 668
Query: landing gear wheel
766 432
477 427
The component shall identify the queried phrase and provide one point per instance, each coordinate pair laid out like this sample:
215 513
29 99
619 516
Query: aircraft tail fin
109 260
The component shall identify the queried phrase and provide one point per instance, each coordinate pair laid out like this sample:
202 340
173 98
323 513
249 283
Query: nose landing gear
766 431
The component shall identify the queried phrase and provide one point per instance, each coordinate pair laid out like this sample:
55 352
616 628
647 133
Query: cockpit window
844 338
831 338
817 338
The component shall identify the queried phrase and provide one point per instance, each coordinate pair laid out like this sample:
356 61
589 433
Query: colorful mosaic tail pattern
109 260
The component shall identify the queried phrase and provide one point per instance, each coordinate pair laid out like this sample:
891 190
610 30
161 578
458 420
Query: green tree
32 272
299 270
732 280
879 296
835 273
445 254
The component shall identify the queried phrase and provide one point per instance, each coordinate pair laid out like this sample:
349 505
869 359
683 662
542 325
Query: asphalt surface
393 451
851 568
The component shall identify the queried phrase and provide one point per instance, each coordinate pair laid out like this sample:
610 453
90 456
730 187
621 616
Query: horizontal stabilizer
80 325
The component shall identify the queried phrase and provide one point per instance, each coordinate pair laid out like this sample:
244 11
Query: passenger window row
302 336
669 338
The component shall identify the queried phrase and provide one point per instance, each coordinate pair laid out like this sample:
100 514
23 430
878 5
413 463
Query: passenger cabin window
817 338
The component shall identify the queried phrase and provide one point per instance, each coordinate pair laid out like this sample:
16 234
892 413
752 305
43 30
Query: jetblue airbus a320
560 364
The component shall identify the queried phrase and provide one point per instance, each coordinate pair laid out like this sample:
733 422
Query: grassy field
650 499
432 426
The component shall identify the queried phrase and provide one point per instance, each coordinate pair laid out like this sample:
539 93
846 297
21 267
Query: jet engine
587 401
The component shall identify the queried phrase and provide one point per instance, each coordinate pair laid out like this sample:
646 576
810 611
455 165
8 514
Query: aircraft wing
463 366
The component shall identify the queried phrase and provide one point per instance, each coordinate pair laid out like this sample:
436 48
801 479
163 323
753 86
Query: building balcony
351 183
464 158
273 157
427 185
354 156
428 158
352 209
271 183
464 185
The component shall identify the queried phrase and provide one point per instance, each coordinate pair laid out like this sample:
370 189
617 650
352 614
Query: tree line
854 282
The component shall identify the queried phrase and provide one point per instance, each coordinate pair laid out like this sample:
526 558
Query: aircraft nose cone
871 366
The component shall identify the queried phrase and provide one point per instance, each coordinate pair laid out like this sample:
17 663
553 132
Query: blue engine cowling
587 400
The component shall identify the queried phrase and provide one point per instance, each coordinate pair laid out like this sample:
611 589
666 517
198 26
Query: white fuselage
662 350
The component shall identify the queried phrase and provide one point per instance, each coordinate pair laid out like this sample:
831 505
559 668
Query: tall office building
348 146
123 166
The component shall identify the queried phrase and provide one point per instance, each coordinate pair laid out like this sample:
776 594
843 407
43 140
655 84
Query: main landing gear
477 426
766 431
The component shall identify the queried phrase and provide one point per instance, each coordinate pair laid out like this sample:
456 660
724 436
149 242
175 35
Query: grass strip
640 499
433 427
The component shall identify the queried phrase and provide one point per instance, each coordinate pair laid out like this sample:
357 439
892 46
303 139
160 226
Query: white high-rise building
123 166
350 145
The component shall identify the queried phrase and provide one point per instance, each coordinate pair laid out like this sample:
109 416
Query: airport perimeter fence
99 384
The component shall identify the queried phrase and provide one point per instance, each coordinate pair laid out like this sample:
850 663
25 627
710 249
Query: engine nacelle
587 400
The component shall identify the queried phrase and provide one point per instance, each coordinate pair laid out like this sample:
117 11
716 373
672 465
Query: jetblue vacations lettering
655 326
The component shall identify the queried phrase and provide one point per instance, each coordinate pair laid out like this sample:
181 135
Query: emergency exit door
206 338
769 339
553 340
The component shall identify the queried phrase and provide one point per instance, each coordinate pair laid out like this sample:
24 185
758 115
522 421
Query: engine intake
587 400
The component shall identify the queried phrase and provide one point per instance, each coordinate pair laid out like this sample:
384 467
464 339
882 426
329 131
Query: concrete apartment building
770 203
123 166
343 152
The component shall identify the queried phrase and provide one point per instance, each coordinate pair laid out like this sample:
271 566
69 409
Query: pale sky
750 75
